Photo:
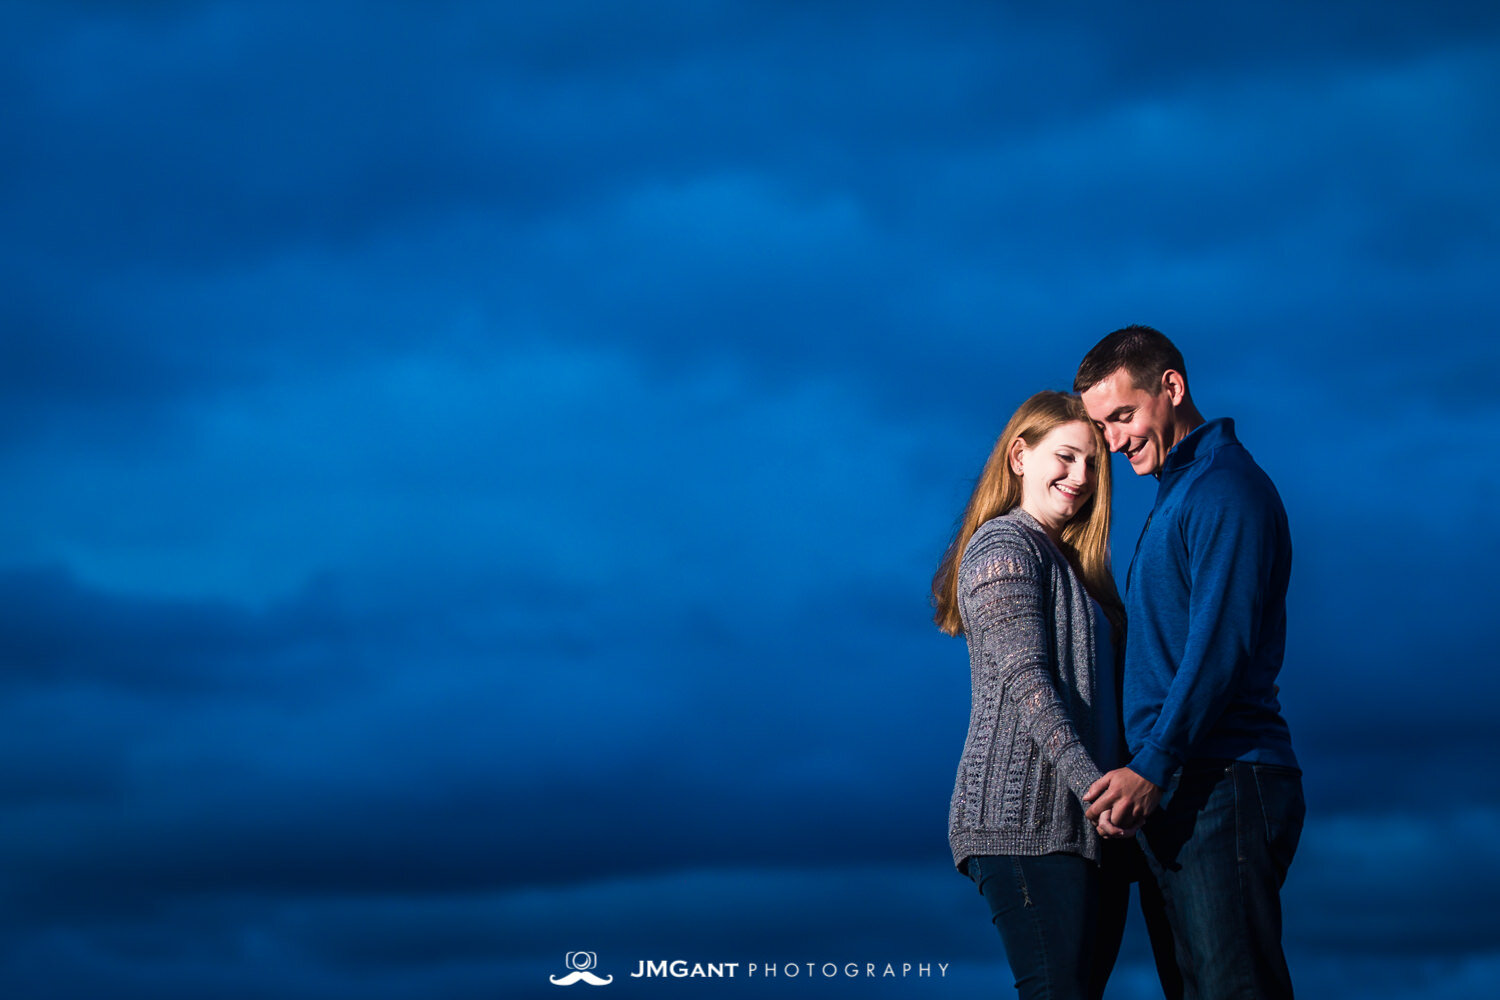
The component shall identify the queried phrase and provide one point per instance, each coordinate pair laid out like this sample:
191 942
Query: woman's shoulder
1015 527
1009 539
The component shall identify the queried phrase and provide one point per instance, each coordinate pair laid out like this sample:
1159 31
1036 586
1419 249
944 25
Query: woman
1027 582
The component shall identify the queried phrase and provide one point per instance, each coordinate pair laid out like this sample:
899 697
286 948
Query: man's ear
1174 384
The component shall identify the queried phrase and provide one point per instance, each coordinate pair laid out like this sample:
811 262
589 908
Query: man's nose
1113 437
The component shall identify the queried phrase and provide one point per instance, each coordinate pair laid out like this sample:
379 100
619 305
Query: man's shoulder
1230 474
1231 488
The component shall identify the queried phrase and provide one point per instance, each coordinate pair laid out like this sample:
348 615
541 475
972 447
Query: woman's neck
1052 532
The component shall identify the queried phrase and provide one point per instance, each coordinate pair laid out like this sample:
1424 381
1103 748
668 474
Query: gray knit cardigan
1030 628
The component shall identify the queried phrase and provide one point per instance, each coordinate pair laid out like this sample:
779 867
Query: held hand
1109 830
1104 827
1123 798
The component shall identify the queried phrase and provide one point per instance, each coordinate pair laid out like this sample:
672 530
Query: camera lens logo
581 962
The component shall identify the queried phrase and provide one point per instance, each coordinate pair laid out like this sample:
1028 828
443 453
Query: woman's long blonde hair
1085 538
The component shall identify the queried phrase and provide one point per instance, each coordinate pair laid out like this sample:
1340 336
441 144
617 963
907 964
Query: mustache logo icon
587 977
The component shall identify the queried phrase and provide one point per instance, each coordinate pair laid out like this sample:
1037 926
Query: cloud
834 911
1391 884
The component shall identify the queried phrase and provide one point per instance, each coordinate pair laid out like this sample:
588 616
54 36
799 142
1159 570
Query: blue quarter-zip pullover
1206 600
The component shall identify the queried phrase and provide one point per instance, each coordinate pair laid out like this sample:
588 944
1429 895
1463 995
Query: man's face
1137 424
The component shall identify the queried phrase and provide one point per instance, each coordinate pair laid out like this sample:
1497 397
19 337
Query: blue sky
474 470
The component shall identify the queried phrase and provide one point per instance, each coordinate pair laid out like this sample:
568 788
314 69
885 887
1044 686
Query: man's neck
1188 420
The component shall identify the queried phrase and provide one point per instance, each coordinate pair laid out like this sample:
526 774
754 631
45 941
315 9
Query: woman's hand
1109 830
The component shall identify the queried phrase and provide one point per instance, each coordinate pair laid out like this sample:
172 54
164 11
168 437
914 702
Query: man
1212 775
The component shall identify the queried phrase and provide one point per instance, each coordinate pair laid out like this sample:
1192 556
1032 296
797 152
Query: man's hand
1121 799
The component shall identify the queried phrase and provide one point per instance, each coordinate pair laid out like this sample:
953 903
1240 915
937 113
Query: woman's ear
1014 458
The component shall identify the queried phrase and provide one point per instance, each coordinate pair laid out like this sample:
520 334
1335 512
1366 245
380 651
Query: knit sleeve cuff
1156 766
1080 770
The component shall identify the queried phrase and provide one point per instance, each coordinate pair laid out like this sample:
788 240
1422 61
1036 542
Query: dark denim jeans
1061 917
1219 846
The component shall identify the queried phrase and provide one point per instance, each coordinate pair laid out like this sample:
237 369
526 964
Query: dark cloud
943 174
56 633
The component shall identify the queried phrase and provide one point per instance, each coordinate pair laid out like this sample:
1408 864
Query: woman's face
1058 476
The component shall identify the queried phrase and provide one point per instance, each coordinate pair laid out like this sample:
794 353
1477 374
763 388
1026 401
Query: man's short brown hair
1142 351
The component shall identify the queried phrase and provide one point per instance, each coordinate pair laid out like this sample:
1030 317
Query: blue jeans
1061 917
1219 846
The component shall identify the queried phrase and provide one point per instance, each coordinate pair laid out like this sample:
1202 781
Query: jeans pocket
1283 810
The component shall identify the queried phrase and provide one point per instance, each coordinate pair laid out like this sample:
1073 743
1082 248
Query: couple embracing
1139 740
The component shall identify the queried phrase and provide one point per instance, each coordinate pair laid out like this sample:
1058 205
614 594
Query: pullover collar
1202 441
